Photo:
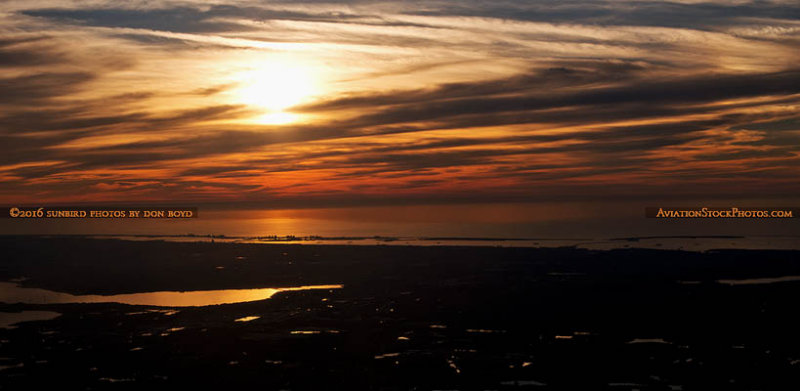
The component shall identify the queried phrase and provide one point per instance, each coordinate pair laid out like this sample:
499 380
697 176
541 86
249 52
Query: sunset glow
275 87
333 102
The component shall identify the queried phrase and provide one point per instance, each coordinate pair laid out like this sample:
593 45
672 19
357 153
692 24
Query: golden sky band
721 213
100 212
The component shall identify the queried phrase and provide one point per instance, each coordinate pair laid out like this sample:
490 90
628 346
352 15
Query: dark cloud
35 88
83 118
625 13
16 149
168 43
13 41
208 91
785 152
569 74
415 158
217 18
486 98
182 19
779 125
29 52
45 120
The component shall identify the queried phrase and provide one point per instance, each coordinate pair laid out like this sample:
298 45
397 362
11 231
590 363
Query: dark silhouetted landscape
406 317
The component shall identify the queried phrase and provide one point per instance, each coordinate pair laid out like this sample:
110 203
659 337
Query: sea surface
588 225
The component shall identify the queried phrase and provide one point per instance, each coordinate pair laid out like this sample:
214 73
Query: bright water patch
13 293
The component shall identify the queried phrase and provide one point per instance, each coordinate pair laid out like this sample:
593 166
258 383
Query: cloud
29 52
599 150
492 98
419 101
221 17
32 89
216 18
182 19
702 15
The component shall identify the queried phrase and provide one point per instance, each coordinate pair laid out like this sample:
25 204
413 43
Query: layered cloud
316 103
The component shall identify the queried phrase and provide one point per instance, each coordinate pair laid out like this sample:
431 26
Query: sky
319 103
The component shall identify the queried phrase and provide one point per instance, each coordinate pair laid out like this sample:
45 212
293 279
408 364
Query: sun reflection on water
13 293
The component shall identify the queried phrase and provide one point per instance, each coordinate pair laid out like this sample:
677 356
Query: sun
274 87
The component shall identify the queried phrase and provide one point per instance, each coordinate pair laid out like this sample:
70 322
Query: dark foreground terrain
408 318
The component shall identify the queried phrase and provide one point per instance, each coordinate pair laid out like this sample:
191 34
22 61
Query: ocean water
588 224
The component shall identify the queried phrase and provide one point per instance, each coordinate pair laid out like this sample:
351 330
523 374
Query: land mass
406 317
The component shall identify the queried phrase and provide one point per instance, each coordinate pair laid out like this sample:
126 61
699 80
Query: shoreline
697 243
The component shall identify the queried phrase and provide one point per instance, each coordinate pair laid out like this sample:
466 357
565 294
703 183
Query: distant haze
553 220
